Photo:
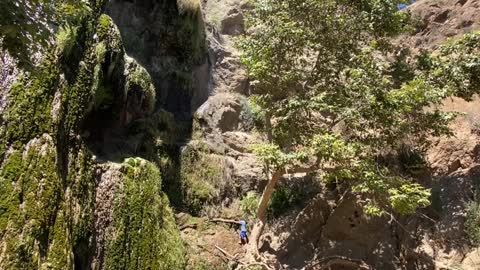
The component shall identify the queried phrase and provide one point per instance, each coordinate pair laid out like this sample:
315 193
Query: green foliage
31 97
269 153
257 112
457 68
66 38
373 210
249 204
24 24
202 175
21 31
411 160
282 199
472 223
408 197
331 101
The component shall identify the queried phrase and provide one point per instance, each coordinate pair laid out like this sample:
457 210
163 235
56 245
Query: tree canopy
335 100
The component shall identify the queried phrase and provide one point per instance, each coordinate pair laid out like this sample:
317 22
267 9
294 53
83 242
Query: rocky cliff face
141 107
440 20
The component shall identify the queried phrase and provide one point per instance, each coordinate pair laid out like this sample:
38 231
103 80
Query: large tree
336 101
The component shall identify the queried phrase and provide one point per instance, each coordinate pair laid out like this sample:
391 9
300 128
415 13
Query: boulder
220 112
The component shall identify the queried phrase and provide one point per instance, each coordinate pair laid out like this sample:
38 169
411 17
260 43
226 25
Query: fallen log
188 226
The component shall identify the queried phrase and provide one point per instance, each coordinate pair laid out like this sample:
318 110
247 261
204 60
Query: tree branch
224 220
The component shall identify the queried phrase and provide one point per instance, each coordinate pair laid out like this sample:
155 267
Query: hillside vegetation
135 134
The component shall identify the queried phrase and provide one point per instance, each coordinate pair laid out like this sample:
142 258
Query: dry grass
192 7
216 10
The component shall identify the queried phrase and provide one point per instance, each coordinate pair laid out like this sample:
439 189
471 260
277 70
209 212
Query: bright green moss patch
103 27
31 98
9 173
139 79
60 250
144 234
28 212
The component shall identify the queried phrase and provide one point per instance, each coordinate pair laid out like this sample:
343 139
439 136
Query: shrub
411 160
257 112
202 175
249 204
472 224
283 198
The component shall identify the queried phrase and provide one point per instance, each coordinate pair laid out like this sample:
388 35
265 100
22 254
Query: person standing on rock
243 232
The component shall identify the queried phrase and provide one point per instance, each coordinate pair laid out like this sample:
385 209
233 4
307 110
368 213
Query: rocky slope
442 19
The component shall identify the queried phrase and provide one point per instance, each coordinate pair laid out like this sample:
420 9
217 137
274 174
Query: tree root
241 263
326 263
263 265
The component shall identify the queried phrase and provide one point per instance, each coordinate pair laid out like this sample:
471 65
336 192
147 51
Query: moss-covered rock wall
74 193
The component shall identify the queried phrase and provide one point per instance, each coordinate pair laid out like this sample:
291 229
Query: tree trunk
268 126
262 212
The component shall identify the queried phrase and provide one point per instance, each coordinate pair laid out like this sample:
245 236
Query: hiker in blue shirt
243 232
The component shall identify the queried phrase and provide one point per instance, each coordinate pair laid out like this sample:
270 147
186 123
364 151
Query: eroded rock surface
443 19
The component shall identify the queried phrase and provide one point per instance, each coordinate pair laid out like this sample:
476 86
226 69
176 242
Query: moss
107 31
9 173
83 187
191 32
201 177
66 38
31 97
60 250
139 79
41 191
89 92
32 207
143 237
103 26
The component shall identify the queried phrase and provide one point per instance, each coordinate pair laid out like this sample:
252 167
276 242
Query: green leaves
408 197
458 66
332 148
322 80
270 154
